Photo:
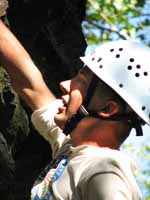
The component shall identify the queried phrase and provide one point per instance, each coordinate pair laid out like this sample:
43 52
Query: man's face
74 92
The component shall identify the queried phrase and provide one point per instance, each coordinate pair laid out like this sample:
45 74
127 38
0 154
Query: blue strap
58 172
46 197
37 197
60 168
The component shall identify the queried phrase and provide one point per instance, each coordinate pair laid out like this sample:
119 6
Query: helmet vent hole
138 66
111 50
101 66
143 107
137 74
118 55
145 73
99 59
120 49
131 59
121 85
129 67
93 58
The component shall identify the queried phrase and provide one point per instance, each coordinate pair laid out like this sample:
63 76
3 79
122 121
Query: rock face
14 128
52 34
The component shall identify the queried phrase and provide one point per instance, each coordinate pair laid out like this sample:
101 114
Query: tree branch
107 29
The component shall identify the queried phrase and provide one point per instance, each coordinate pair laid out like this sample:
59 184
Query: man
107 122
87 169
87 163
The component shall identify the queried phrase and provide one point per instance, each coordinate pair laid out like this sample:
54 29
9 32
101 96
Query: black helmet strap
82 112
91 91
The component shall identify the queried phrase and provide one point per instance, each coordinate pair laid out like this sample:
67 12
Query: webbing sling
58 172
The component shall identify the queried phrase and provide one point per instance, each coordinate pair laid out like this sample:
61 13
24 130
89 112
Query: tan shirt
93 173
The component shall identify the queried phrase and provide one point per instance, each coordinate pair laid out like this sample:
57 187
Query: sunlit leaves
148 197
143 154
115 19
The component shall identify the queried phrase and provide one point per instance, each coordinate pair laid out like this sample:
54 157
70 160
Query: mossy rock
14 120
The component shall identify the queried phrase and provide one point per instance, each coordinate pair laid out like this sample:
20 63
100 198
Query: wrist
43 118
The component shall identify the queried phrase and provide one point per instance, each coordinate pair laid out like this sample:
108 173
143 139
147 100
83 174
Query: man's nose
65 86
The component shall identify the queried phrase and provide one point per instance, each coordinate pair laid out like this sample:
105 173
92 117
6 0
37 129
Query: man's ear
111 108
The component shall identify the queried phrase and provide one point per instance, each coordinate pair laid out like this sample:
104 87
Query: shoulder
3 7
93 160
105 159
109 172
109 185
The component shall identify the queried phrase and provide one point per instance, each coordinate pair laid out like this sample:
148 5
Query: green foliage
115 19
148 197
143 173
14 120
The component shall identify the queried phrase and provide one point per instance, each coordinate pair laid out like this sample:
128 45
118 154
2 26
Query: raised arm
25 77
28 82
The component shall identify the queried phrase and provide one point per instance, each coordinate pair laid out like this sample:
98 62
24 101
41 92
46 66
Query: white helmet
125 67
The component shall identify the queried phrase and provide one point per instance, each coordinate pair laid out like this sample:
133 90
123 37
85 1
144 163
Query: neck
92 131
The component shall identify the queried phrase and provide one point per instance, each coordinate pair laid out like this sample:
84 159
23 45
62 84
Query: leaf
140 3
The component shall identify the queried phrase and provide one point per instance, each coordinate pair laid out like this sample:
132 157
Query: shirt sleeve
107 186
3 7
43 121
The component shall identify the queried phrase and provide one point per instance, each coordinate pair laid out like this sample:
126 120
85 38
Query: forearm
25 77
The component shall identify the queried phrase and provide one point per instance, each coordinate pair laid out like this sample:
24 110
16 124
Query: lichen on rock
3 7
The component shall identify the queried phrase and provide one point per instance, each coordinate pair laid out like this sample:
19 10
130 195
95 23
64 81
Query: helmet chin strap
82 112
133 120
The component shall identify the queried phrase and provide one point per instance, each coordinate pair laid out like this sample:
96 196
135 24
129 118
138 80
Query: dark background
51 32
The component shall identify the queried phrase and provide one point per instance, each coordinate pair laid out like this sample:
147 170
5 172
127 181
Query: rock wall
52 34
